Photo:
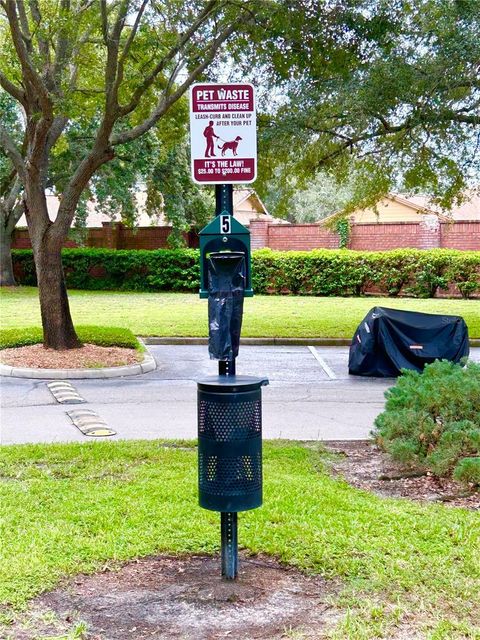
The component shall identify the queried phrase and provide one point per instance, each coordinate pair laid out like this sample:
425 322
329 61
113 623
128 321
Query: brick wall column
429 236
110 240
259 234
119 235
113 233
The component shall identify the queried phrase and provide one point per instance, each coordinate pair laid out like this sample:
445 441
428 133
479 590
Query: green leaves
392 89
184 203
432 420
339 273
321 272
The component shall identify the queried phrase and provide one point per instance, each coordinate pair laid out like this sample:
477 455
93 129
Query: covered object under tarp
388 340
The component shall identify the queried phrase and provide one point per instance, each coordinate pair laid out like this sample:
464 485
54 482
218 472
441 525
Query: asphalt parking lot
310 397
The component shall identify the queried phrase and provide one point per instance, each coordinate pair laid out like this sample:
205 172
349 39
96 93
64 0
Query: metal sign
223 133
225 223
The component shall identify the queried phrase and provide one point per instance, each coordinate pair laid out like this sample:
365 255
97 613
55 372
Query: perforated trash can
230 443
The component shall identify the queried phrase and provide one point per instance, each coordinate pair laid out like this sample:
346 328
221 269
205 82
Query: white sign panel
223 133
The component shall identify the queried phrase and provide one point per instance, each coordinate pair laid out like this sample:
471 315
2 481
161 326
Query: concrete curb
314 342
319 342
148 364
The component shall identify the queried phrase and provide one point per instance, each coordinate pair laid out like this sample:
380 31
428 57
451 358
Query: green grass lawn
74 508
177 314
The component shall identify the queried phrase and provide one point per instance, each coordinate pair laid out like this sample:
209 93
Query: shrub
102 336
109 269
464 272
341 272
432 420
321 272
468 471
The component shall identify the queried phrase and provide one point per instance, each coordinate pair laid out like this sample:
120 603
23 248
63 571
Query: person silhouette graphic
210 134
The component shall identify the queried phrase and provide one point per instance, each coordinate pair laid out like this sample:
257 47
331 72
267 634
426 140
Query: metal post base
229 528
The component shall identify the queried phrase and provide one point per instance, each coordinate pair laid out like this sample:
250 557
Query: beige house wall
246 210
388 211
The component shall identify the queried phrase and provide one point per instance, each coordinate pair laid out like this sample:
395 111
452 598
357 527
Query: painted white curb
148 364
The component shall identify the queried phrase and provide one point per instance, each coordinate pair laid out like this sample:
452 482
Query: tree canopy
119 67
386 91
398 103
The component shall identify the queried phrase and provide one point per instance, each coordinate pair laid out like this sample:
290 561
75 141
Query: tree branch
104 19
61 48
407 126
12 208
128 44
15 91
27 36
30 74
15 214
12 152
464 118
167 100
183 40
113 43
43 44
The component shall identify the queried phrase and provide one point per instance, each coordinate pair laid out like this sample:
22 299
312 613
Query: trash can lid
231 384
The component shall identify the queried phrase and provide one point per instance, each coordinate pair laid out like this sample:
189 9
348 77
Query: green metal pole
228 519
223 199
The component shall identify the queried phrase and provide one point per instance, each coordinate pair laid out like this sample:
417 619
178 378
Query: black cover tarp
388 340
226 287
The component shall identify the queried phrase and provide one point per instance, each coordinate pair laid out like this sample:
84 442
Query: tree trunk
58 330
7 278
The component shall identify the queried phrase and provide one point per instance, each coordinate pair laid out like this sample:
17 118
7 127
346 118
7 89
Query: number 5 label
225 224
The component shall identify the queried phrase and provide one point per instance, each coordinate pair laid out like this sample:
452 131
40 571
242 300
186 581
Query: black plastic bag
226 286
388 340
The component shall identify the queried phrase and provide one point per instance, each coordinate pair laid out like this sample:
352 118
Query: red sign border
190 109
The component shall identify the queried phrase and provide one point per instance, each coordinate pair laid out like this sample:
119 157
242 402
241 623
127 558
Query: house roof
423 205
246 205
467 210
240 196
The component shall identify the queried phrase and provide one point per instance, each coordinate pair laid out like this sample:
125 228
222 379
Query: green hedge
341 272
102 336
432 420
322 272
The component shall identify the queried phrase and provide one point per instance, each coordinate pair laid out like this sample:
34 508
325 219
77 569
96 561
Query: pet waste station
229 405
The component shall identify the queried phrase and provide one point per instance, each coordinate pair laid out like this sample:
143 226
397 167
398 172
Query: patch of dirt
90 356
185 598
365 466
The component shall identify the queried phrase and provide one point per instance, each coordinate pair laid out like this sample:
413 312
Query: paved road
310 397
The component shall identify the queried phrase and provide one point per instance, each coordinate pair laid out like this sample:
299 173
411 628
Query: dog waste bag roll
226 285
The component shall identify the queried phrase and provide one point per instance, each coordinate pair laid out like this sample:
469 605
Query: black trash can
230 443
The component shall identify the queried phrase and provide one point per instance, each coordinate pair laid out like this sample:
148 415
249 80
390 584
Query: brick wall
143 238
259 230
116 236
301 237
298 237
460 235
427 234
21 240
382 237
